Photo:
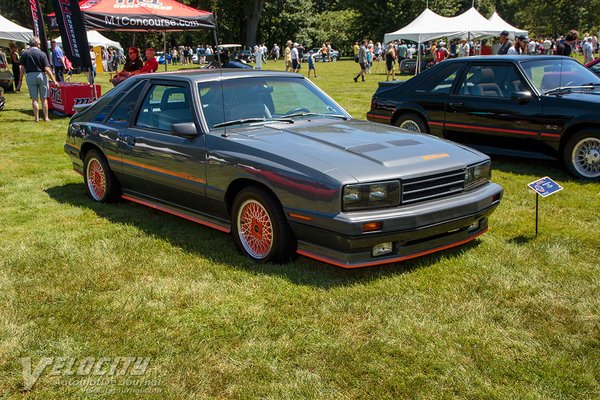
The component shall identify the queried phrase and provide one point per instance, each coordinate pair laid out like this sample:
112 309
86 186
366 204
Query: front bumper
414 231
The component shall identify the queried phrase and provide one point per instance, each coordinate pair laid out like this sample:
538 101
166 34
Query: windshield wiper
252 120
313 114
562 89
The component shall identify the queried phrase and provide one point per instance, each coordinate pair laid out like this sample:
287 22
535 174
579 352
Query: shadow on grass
220 247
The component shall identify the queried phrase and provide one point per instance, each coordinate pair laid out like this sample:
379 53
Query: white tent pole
418 66
165 48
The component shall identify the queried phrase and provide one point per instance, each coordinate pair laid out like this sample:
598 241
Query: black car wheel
100 183
260 229
411 122
582 154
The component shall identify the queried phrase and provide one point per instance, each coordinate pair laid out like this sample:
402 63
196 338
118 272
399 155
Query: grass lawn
507 316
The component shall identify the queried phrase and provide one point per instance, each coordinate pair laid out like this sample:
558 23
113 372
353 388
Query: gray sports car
271 158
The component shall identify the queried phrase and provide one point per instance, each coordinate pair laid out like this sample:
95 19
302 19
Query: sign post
543 187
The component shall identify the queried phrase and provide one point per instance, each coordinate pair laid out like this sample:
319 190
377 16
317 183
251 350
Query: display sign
72 32
545 186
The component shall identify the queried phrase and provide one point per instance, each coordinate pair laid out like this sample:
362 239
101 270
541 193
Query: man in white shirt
463 48
295 58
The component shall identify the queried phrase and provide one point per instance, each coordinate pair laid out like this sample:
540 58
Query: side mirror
185 129
521 97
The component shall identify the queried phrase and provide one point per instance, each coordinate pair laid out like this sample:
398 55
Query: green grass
507 316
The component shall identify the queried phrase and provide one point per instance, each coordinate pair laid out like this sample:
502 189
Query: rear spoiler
390 83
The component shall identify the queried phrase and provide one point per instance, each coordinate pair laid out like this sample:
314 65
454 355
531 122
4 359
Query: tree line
342 22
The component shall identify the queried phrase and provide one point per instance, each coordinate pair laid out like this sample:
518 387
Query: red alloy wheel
96 179
255 229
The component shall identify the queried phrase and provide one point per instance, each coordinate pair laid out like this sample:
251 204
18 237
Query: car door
174 166
117 124
489 107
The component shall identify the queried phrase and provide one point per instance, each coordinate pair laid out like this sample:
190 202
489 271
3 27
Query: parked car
594 66
319 56
272 159
520 105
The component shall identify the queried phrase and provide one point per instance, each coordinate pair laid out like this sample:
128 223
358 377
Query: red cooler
65 95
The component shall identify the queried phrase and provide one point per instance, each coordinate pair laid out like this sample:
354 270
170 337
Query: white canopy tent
96 39
497 21
427 26
11 32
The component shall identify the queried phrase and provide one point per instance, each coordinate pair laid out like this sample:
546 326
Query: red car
594 66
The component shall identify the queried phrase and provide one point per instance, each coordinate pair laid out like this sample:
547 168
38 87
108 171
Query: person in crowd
463 48
35 66
3 60
441 52
92 71
311 63
329 50
287 57
295 56
390 59
547 46
519 47
132 64
362 61
324 52
402 51
258 59
356 50
58 60
566 47
505 43
15 59
151 64
588 50
275 52
532 47
2 99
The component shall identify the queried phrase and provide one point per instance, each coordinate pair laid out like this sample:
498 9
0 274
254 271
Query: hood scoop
365 148
404 142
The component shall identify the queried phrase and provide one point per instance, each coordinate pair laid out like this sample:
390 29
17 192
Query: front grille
433 186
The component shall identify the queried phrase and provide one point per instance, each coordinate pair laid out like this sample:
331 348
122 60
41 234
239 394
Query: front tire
582 154
411 122
260 229
100 183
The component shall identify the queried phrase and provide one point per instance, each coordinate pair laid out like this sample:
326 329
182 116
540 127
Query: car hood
360 150
585 96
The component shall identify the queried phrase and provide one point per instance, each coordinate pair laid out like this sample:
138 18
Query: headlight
477 175
371 195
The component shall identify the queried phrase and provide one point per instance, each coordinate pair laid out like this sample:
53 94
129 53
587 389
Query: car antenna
217 43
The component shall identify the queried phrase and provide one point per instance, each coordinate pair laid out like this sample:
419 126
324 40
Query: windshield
261 98
554 73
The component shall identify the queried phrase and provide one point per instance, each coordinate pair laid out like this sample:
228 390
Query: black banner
39 28
72 32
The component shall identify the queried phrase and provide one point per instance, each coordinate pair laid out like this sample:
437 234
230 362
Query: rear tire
100 182
581 154
260 229
411 122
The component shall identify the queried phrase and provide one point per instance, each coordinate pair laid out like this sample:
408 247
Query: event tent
141 16
11 32
429 26
96 39
497 21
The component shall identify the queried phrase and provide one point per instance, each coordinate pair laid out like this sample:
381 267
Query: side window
165 105
442 81
122 112
499 81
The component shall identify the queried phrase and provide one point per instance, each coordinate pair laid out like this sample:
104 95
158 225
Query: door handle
127 139
456 104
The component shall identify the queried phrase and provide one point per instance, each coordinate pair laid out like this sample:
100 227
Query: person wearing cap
287 57
295 56
58 60
258 57
505 43
35 66
311 63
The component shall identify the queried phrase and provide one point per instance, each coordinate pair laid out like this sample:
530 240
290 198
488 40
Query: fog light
474 226
382 249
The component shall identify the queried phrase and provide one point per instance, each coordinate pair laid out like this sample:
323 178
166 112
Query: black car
271 158
520 105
